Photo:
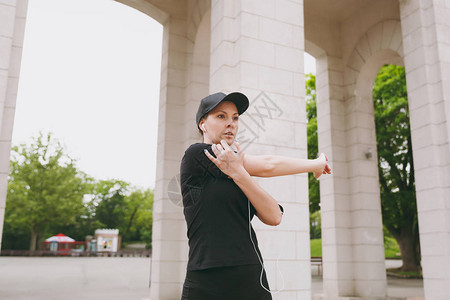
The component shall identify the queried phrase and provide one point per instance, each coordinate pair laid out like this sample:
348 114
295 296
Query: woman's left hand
229 162
323 167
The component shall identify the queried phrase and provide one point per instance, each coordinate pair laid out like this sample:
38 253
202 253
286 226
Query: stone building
257 47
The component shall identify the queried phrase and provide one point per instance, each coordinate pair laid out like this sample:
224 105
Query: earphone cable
259 258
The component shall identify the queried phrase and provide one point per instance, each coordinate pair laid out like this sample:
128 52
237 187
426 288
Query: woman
220 198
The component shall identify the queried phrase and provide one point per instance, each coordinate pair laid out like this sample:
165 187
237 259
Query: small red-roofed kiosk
60 242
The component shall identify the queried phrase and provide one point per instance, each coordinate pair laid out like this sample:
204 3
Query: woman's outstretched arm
275 165
231 164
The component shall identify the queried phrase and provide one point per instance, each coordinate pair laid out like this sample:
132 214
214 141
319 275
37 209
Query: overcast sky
90 74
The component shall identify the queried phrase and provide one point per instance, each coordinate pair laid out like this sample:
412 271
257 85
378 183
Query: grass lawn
391 248
316 247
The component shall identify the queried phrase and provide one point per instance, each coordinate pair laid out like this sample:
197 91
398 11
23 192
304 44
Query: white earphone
260 259
203 125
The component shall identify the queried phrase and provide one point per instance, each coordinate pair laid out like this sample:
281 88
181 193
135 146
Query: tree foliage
47 195
139 216
109 199
117 205
313 149
45 188
395 162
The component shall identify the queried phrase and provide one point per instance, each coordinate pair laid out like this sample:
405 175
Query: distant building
107 240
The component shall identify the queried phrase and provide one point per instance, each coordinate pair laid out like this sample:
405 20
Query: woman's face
221 124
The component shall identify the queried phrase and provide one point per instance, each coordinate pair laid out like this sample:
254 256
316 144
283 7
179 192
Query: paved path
411 289
74 278
111 278
397 288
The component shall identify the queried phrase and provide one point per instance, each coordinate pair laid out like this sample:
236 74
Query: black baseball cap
208 103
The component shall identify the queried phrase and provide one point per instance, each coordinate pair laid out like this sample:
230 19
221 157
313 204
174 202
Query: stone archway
179 38
380 45
198 74
12 35
146 7
184 81
352 239
355 36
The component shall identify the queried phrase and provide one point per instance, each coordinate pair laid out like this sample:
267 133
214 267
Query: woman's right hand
229 162
323 167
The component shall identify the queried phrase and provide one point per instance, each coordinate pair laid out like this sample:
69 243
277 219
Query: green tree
313 149
86 221
44 188
15 238
395 163
142 221
110 204
115 204
138 214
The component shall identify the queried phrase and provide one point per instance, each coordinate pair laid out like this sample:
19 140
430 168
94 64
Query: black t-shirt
216 212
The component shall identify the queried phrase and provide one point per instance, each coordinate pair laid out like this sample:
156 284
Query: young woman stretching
220 198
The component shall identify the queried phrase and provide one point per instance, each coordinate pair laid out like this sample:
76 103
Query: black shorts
226 283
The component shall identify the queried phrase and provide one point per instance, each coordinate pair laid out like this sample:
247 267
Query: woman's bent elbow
276 220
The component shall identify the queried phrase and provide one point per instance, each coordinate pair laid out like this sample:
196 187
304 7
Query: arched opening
313 150
382 160
396 170
87 80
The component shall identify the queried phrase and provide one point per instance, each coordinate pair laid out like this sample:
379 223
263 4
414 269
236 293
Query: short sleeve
199 164
253 210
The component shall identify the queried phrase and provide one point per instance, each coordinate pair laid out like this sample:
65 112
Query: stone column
13 15
352 235
426 44
184 81
169 257
257 48
335 203
365 224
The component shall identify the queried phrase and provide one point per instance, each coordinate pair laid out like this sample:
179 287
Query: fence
75 252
